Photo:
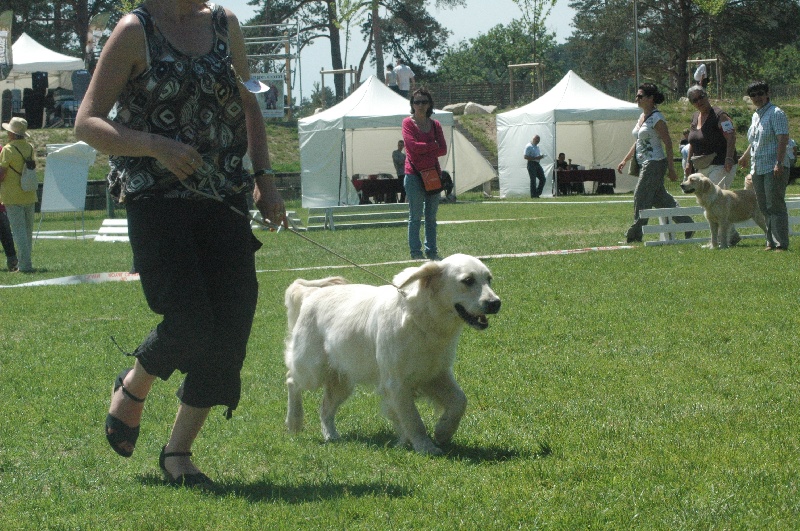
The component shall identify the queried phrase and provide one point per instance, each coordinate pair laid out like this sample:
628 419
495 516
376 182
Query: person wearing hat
19 203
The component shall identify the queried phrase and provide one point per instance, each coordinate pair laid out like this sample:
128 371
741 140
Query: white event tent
589 126
29 56
358 135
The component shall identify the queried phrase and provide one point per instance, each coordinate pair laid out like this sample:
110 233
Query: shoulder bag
634 167
431 177
28 180
701 162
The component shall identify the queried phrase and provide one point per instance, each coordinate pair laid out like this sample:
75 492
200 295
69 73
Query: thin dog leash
276 227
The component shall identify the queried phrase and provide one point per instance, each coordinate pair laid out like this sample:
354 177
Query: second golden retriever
723 208
400 339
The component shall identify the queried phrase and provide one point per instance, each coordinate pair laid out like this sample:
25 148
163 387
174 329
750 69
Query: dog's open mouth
478 322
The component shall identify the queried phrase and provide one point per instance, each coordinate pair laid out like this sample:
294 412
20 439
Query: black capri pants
196 263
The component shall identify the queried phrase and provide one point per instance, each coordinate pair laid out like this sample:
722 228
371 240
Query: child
7 240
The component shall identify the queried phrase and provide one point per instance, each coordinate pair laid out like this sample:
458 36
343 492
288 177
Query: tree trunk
336 51
684 46
376 38
81 22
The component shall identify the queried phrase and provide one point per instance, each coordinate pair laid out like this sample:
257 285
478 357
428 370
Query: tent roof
573 99
373 104
30 56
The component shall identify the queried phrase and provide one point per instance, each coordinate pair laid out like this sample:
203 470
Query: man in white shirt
701 75
405 78
533 155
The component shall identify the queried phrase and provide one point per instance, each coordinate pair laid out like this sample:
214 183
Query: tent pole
341 163
453 147
555 174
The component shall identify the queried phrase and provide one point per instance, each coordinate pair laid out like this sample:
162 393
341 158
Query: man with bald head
533 155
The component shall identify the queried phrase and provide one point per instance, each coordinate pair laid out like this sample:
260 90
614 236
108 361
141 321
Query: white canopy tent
590 127
29 56
358 135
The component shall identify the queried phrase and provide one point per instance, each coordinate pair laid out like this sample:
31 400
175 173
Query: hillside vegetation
285 148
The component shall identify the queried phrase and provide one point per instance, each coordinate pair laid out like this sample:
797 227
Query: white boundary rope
92 278
99 278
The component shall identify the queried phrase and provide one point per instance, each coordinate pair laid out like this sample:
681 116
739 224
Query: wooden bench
116 230
670 232
358 216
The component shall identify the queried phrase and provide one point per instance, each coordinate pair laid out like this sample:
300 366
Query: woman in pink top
424 143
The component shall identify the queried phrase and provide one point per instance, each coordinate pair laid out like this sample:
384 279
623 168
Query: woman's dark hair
424 93
755 86
389 66
650 89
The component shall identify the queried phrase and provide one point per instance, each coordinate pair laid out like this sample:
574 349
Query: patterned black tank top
193 99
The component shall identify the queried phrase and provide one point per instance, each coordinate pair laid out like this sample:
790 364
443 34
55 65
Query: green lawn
646 388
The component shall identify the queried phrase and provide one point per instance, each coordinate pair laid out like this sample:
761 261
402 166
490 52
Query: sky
465 23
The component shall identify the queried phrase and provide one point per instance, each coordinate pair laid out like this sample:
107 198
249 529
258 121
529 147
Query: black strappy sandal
198 479
117 431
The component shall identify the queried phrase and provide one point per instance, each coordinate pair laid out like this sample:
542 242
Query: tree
317 99
746 33
60 24
779 66
738 32
408 31
534 14
486 57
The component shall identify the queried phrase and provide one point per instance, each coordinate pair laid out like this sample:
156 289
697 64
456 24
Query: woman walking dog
172 70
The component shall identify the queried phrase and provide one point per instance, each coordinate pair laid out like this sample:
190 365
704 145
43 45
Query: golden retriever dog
723 208
400 339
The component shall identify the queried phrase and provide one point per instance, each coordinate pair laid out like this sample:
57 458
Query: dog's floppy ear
425 273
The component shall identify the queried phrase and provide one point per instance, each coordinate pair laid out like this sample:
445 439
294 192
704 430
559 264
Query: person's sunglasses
695 100
640 96
420 102
756 94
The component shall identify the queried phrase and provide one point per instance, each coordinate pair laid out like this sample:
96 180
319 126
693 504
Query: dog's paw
294 425
330 434
428 448
442 439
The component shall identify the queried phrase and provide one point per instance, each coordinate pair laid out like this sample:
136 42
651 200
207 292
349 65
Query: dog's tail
297 291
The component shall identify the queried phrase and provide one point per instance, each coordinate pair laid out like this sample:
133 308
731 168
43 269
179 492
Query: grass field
638 388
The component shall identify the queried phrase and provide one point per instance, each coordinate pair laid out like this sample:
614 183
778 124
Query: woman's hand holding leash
179 158
269 201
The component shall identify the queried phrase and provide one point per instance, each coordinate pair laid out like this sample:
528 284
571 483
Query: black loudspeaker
39 83
27 97
34 108
80 82
5 116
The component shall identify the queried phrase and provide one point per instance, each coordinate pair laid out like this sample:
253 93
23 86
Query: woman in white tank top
653 151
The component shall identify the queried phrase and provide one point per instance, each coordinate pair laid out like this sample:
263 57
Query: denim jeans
419 204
